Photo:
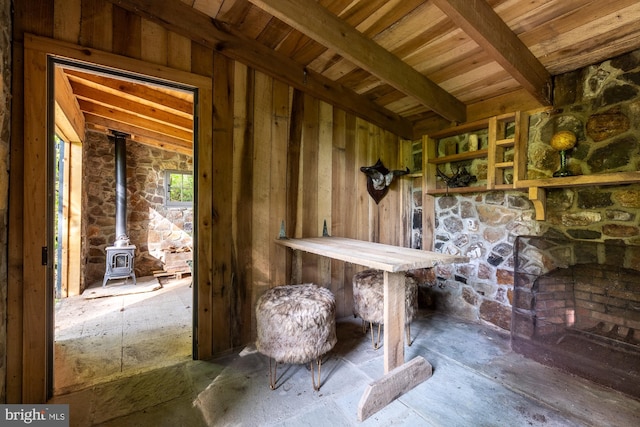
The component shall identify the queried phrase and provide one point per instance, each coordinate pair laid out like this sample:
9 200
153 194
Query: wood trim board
34 353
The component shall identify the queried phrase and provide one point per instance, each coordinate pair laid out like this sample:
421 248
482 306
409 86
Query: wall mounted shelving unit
506 155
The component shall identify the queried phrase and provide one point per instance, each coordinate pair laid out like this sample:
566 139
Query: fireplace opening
577 307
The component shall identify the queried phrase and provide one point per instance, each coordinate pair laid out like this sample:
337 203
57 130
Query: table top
373 255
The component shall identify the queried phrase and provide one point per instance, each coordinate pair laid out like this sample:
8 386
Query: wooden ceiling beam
120 116
140 92
132 106
150 142
310 18
162 141
69 120
203 29
484 25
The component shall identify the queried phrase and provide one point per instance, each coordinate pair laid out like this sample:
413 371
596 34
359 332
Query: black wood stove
120 257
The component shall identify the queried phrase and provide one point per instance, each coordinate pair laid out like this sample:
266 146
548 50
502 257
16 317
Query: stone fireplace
577 307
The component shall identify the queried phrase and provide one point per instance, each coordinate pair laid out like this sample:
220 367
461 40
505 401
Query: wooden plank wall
249 171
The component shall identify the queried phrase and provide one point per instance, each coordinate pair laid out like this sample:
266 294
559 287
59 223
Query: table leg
399 377
394 313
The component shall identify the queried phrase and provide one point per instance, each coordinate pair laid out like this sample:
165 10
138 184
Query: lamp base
563 171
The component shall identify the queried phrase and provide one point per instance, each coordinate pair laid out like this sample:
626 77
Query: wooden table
394 261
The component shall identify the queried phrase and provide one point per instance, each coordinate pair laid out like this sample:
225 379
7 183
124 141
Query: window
179 188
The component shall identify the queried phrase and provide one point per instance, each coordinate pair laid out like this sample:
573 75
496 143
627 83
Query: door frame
37 331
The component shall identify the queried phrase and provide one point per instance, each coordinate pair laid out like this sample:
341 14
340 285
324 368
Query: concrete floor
477 381
121 330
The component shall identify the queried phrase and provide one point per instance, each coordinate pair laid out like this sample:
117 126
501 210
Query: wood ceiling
152 114
409 66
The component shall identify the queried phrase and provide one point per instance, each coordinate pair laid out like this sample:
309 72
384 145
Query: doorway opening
111 326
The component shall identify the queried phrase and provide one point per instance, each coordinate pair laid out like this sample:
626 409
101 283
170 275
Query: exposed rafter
156 116
310 18
189 22
481 23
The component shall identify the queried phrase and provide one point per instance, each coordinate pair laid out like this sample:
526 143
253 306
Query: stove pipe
120 140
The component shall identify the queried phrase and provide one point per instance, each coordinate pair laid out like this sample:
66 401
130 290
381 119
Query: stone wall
152 227
601 105
483 227
5 132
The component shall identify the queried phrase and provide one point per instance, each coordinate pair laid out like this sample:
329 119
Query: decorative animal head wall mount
379 178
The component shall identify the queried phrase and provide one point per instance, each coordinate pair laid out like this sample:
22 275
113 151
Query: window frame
167 180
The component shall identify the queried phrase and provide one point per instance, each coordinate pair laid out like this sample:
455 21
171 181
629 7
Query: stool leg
376 344
408 331
313 377
273 375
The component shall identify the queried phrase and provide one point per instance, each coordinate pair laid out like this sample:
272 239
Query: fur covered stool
296 324
368 301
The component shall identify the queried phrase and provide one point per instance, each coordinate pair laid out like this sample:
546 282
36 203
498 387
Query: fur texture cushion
296 323
368 296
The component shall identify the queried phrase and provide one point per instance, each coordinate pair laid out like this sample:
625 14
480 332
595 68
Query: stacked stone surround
601 105
5 133
483 227
152 227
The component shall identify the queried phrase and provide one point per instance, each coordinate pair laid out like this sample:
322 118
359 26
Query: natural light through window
179 188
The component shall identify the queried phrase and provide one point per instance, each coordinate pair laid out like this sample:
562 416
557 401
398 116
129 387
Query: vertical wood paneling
339 209
15 289
349 219
153 42
278 198
293 265
178 52
363 222
66 20
202 63
373 154
226 295
324 179
33 16
388 220
353 178
308 218
242 190
95 28
261 215
126 33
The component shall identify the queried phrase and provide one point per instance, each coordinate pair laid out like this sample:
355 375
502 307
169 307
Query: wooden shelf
505 187
456 190
469 155
460 129
495 164
537 187
616 178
